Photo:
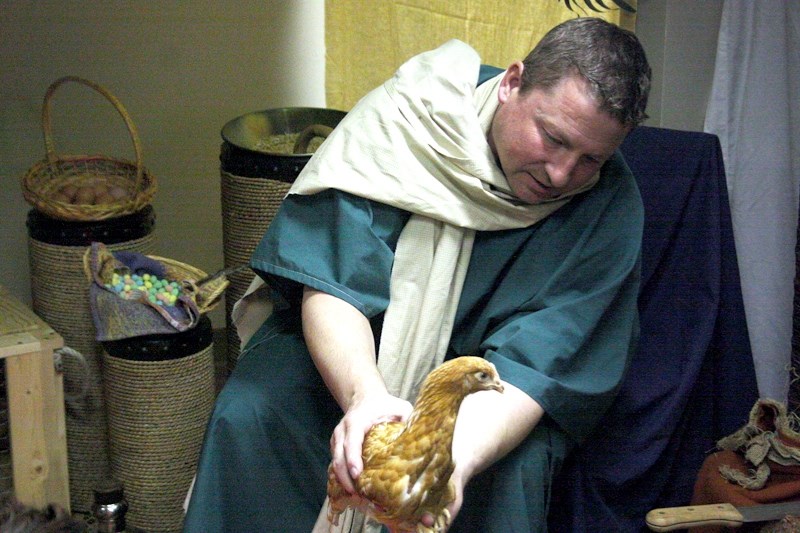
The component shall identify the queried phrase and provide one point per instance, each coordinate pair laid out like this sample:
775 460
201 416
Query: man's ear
512 79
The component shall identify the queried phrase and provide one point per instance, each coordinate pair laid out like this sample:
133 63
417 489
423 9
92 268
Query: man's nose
560 169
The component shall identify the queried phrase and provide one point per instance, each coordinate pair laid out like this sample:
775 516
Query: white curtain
754 110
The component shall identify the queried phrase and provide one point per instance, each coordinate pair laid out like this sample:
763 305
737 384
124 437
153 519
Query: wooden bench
35 405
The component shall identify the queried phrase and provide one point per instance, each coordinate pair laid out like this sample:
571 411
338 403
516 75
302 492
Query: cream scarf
418 143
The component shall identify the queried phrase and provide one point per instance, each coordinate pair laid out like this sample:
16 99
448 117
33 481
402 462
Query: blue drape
692 380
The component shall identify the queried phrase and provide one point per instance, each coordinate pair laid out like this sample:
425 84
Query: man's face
549 142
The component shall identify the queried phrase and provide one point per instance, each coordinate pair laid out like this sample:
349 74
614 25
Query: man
440 219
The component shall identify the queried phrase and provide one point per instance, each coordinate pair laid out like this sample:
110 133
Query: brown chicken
407 465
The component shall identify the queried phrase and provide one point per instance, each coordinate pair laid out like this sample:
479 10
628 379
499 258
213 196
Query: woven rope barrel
248 206
262 153
158 409
60 296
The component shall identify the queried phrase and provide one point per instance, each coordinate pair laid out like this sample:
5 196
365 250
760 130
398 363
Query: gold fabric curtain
367 40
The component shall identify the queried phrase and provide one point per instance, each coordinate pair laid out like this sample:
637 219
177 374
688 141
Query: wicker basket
43 182
207 295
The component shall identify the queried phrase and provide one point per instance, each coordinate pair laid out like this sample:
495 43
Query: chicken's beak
497 385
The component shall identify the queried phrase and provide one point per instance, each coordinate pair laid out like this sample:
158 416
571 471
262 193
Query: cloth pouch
118 318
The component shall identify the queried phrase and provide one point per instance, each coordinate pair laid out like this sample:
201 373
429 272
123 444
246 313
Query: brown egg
61 197
104 199
118 193
69 192
100 189
85 195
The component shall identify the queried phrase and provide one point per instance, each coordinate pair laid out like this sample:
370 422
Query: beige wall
183 69
680 38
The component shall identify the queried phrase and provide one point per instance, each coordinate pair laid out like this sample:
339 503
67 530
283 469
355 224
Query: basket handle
48 129
304 139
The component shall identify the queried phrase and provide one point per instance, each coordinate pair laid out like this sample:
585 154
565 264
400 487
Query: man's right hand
348 436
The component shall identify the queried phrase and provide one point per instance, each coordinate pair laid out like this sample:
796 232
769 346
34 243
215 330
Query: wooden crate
35 405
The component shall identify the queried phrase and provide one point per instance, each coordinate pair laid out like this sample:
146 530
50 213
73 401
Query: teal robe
553 306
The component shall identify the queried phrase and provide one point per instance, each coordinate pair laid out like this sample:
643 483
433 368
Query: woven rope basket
158 411
248 207
45 180
60 296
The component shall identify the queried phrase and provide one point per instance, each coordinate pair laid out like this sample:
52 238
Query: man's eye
552 139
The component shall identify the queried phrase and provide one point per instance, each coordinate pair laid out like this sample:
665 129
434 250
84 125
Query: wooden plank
18 343
42 338
15 317
38 430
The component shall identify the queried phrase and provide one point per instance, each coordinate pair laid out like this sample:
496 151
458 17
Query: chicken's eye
483 376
